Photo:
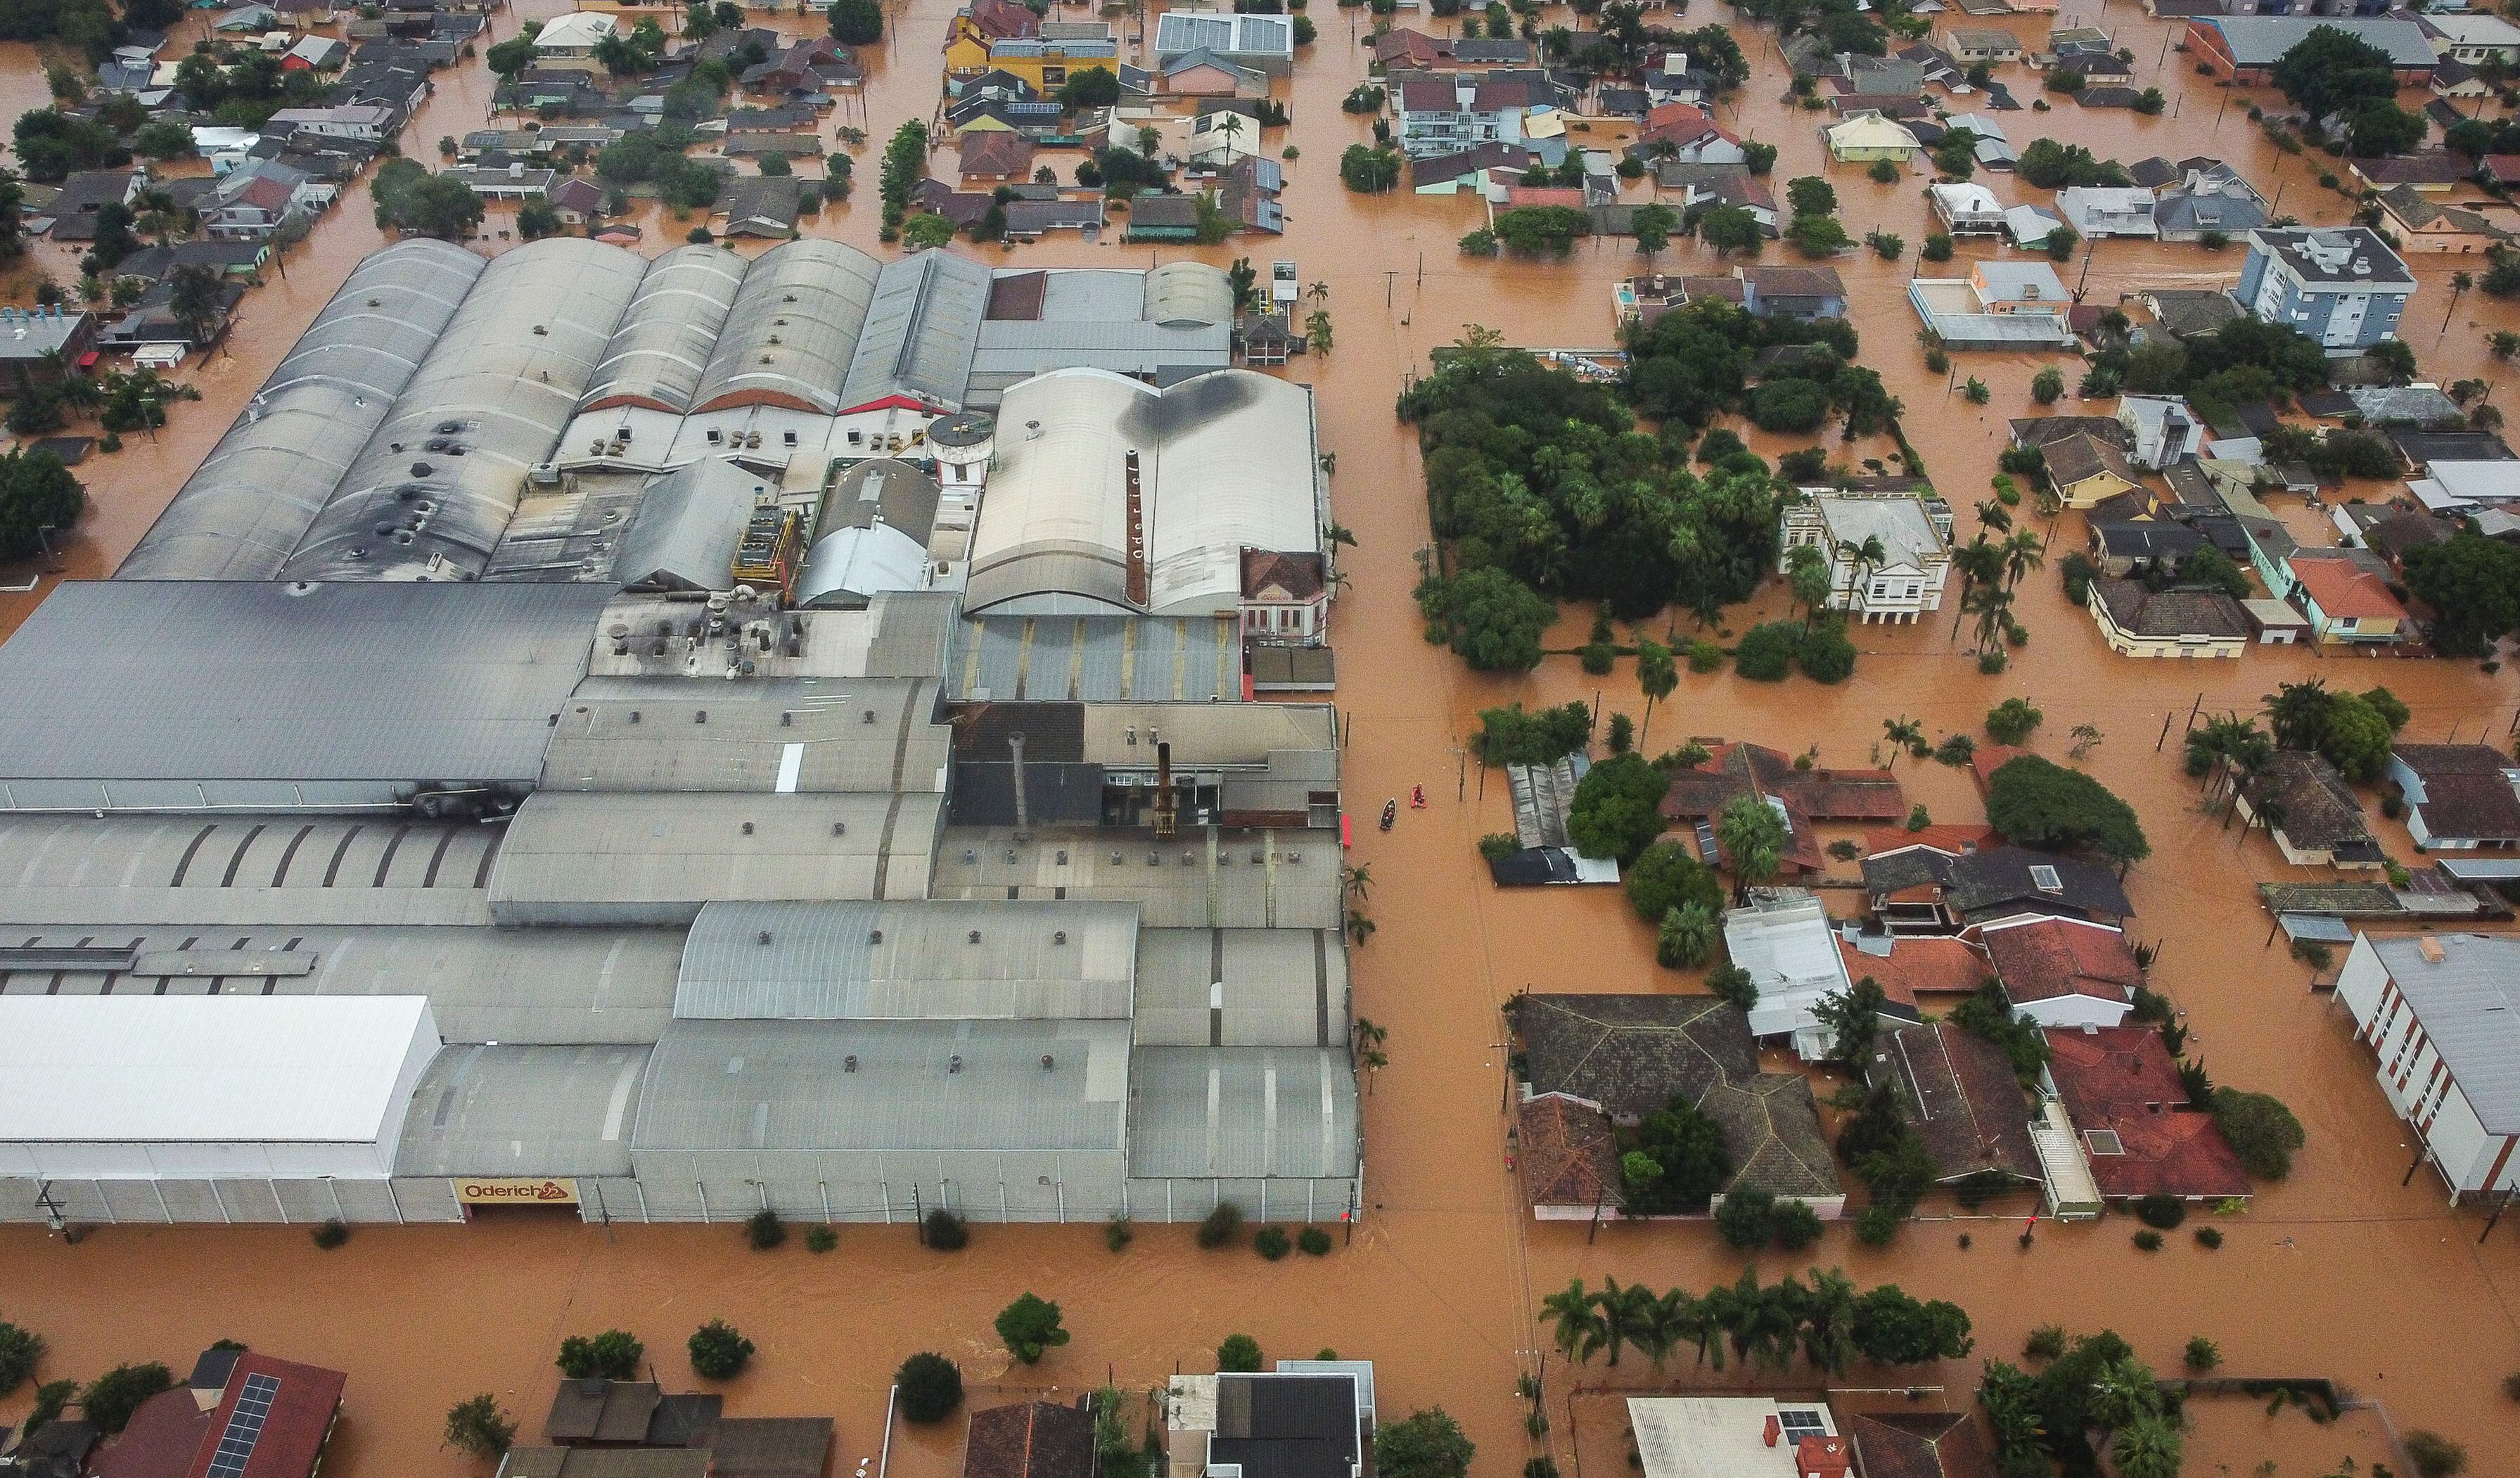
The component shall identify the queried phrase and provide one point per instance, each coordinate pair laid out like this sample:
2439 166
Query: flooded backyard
2339 1272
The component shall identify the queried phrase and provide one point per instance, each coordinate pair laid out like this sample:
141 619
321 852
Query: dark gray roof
2146 540
2144 612
2316 809
1286 1426
185 681
1981 882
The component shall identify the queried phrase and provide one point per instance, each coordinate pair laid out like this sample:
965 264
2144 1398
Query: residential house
86 193
760 205
1868 136
1912 968
2310 812
996 159
1981 43
1162 219
1031 1439
2471 38
2190 313
2140 1135
1998 305
1403 47
1062 49
1446 114
240 1412
1629 1057
1484 170
2346 604
809 71
2459 797
574 35
254 200
38 345
1797 292
2243 49
2421 225
1924 890
364 122
2138 621
1712 185
1699 795
1992 149
2208 197
1911 533
579 202
1263 43
2064 972
2161 431
1568 1159
1967 209
2140 547
2095 211
1032 219
313 52
1285 596
1735 1437
1958 1091
1204 75
2340 285
2439 1013
2460 487
1918 1444
1784 938
510 182
151 321
2454 82
2086 471
976 27
2427 171
1685 132
1249 191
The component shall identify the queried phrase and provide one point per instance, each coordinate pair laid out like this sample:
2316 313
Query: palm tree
2147 1448
1367 1034
1828 1320
1657 675
1673 1319
1358 927
1753 838
2023 553
1902 733
1715 1316
1978 563
1578 1329
1866 556
1990 605
1360 881
2297 712
2124 1394
1762 1329
1626 1315
1320 292
1995 515
2236 746
1806 574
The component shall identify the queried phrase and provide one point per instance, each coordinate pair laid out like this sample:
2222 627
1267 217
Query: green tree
2332 70
511 57
1665 876
19 1350
2435 1455
2260 1130
1852 1017
2041 804
930 1387
1730 229
1746 1219
719 1351
1574 1325
37 493
536 219
476 1426
109 1400
1238 1353
2472 583
1492 620
1817 236
1653 227
1686 1151
614 1354
2357 738
1094 87
1368 169
411 200
1656 675
1734 984
1753 837
1428 1444
858 22
1766 651
1810 194
2010 721
2047 386
924 230
1030 1327
1893 1328
1615 812
1687 936
2147 1448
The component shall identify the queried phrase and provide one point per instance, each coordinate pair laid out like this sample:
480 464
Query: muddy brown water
2340 1270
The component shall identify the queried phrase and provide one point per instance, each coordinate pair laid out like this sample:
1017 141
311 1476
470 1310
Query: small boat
1390 813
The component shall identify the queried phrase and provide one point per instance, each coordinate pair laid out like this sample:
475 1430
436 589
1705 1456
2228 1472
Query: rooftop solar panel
245 1426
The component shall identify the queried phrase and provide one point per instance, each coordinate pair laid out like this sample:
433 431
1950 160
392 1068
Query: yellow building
1049 59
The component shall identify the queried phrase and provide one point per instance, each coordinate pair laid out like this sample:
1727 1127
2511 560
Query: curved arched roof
245 507
794 326
442 475
656 357
1236 474
1181 294
1054 518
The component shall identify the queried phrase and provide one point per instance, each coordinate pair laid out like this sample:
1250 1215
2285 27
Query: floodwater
2340 1272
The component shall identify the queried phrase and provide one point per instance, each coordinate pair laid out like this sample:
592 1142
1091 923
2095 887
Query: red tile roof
2056 957
2344 589
1518 197
1989 758
2122 1079
1918 965
160 1440
1568 1157
994 154
291 1440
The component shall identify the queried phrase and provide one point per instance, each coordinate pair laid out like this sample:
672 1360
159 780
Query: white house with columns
2442 1013
1913 534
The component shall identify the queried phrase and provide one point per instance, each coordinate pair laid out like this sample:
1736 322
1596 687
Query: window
714 437
1799 1422
2045 878
1052 76
2102 1141
790 439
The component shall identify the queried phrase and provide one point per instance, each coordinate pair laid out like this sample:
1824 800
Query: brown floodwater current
2340 1270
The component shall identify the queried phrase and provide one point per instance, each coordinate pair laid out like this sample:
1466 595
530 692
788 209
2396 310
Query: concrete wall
227 1200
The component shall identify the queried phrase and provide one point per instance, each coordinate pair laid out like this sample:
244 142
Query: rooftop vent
765 933
849 1064
875 936
1059 937
839 829
1047 1061
976 936
748 831
954 1064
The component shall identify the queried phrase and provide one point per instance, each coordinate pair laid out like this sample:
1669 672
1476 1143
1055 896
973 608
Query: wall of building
227 1200
2069 1013
987 1189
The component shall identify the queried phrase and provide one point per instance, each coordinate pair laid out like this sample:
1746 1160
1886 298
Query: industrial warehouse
542 758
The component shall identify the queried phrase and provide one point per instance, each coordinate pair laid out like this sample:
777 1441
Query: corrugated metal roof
215 680
884 960
1185 293
1244 1112
1280 988
1094 296
269 1069
519 1111
687 526
657 355
2468 1003
440 477
1099 659
252 498
794 325
922 326
766 734
914 1085
1284 880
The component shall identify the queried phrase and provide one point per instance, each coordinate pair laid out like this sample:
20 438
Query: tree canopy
36 493
1508 735
1616 810
2037 803
411 200
1674 1161
1489 618
1428 1444
1665 877
2333 71
931 1387
858 22
2472 583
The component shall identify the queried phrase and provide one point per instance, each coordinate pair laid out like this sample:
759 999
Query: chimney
1775 1430
1024 812
1163 787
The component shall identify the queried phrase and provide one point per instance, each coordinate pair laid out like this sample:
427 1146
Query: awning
2321 928
87 361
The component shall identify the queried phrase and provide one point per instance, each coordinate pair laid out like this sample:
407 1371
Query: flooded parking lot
2340 1270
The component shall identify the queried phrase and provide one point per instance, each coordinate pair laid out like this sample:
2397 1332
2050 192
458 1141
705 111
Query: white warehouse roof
169 1069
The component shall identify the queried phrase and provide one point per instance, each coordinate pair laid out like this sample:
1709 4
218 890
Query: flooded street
2339 1272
